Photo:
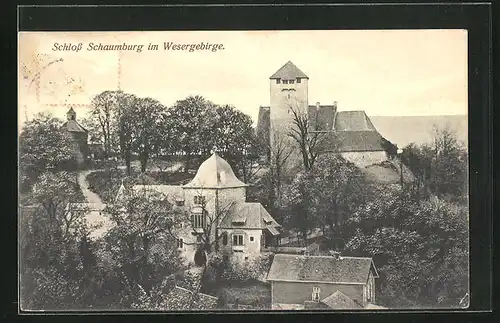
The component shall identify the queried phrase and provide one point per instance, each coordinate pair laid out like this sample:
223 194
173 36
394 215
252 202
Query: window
278 81
251 238
315 294
285 81
199 220
298 80
246 258
180 243
200 200
224 239
291 81
237 239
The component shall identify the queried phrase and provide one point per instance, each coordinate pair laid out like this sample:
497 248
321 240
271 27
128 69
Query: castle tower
289 92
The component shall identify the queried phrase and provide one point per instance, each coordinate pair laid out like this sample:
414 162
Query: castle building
78 136
212 207
350 133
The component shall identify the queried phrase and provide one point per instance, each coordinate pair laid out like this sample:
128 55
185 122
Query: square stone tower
289 94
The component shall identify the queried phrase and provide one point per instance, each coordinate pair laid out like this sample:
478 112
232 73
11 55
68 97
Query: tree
423 259
126 126
140 241
42 146
102 119
233 136
56 259
147 113
190 123
308 138
439 168
337 188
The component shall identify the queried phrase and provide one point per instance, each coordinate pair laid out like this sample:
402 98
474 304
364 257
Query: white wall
365 158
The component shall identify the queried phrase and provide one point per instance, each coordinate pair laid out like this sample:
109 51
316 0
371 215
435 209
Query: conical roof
215 172
288 72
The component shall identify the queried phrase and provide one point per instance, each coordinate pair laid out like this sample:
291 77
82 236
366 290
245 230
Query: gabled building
214 203
78 136
335 282
350 133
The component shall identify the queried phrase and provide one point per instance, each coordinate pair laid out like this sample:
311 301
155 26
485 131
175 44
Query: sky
384 72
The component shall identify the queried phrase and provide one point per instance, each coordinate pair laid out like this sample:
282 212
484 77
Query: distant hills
418 129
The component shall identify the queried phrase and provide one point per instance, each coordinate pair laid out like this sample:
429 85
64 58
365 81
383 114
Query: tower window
278 81
251 238
298 80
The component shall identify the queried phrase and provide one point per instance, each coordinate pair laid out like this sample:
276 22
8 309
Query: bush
240 272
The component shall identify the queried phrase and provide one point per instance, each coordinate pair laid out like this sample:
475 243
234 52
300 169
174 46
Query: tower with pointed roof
288 92
78 135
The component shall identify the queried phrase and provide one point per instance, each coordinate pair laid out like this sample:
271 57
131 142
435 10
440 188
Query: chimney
317 105
335 104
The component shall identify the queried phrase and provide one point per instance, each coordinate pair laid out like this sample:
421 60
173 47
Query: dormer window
285 81
291 81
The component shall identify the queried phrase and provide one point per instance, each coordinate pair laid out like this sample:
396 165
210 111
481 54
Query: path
97 221
84 186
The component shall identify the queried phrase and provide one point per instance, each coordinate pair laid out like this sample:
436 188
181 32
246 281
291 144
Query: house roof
215 172
183 299
73 126
248 216
353 121
288 72
349 270
351 141
321 117
339 300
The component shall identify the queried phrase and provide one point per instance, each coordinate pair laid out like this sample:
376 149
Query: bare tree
309 140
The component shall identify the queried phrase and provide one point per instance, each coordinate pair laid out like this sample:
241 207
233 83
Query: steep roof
321 117
339 300
248 216
349 270
288 72
215 172
353 121
73 126
351 141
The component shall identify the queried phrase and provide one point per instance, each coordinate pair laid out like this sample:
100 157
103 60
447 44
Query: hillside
404 130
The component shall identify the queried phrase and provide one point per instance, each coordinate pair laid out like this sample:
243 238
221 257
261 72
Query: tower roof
215 172
288 72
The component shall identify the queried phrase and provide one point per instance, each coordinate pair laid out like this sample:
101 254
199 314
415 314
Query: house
322 282
350 133
213 205
78 136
